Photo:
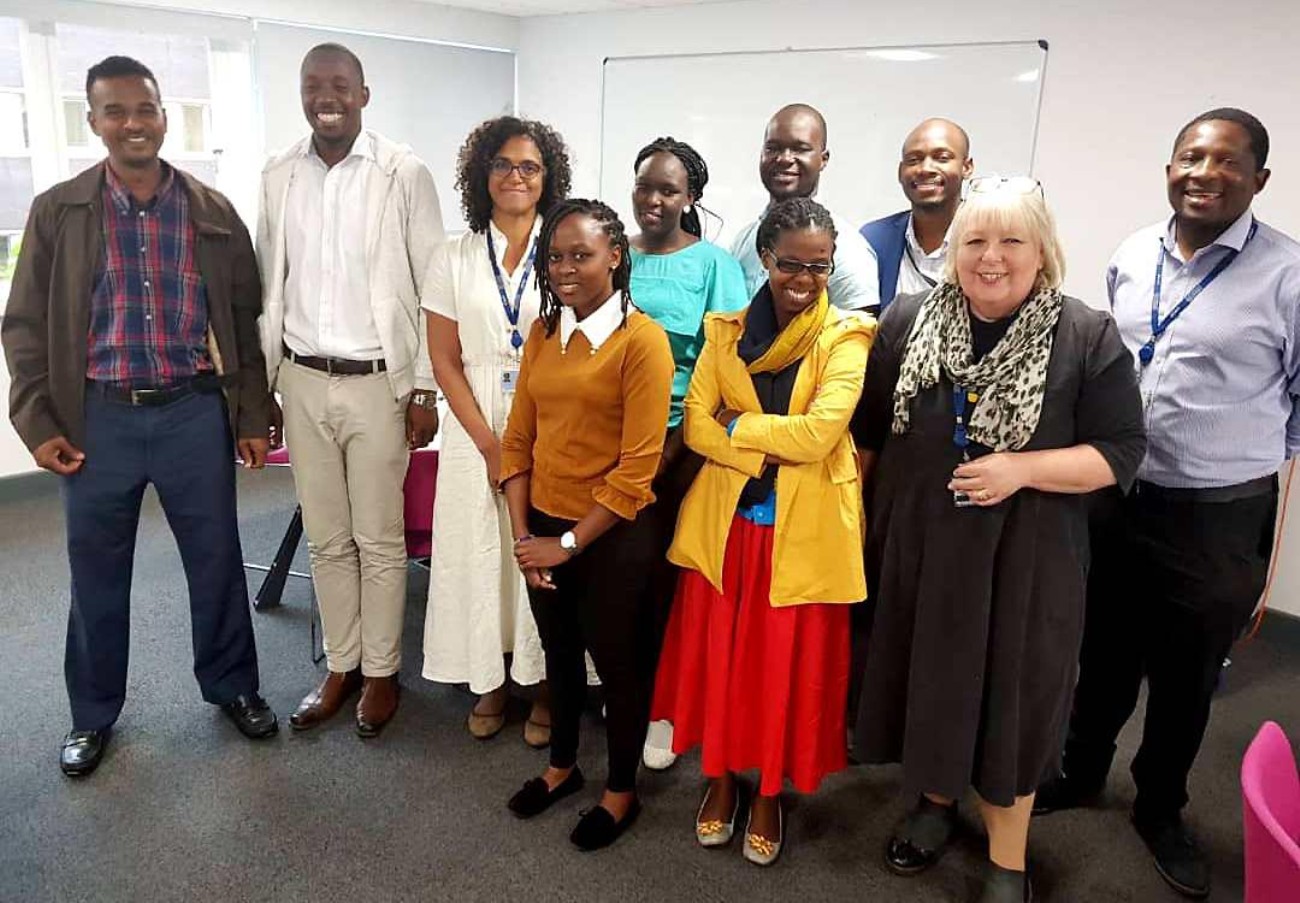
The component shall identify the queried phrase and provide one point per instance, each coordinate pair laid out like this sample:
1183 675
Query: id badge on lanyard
961 398
510 372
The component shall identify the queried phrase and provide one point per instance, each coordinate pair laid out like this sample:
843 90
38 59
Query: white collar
598 327
501 241
915 245
363 147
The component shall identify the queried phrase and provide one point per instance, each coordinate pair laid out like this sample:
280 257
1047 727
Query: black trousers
1173 583
600 604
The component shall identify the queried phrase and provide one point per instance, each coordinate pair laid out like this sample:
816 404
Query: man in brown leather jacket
131 340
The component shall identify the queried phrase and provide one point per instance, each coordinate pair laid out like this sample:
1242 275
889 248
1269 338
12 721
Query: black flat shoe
252 716
596 829
1005 886
82 751
1178 858
535 797
922 837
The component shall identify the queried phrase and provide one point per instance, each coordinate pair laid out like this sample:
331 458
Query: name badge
509 380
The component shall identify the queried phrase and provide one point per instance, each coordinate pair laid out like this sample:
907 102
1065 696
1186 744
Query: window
16 185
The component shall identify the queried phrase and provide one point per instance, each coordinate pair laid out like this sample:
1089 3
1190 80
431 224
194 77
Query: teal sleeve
726 290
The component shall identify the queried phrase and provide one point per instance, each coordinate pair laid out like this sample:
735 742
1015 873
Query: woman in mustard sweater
584 437
755 666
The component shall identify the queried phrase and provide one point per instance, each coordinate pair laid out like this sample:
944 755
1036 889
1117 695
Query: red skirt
760 687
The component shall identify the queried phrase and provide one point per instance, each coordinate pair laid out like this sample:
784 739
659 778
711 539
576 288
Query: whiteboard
871 97
423 94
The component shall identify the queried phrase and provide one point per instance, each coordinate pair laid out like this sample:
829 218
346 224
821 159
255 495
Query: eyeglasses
1013 184
528 170
795 267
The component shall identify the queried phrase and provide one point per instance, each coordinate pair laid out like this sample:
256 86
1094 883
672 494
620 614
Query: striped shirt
1219 395
149 307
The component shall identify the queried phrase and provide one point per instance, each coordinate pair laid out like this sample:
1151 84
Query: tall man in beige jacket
349 220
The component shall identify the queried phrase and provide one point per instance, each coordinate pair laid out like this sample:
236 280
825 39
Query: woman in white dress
481 299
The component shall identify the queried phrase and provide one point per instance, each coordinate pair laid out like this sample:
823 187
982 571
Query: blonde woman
992 405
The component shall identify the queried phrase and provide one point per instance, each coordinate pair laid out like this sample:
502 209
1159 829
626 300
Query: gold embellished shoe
715 832
761 850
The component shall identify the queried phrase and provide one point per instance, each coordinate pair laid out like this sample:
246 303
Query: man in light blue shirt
1208 303
790 165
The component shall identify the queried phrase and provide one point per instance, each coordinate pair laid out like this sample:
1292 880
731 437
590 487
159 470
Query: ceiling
555 7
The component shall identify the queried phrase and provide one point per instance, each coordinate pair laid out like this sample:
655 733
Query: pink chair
1270 792
419 490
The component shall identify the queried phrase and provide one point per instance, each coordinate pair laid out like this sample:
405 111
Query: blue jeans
185 450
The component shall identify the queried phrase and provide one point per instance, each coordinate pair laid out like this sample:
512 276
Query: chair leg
272 588
316 657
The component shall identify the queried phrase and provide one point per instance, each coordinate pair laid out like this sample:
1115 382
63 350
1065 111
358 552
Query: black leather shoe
1062 792
922 837
535 797
1005 886
1178 858
82 751
252 716
596 829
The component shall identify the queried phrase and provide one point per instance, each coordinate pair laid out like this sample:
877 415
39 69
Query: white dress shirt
597 327
919 271
327 286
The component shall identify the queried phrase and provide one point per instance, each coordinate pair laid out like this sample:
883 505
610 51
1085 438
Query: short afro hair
474 162
1254 129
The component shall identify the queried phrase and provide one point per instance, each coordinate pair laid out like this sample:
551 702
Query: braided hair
697 176
613 228
790 215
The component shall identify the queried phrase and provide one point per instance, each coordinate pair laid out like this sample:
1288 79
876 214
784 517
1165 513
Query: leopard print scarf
1011 378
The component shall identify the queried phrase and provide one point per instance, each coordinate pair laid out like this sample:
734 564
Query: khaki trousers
347 439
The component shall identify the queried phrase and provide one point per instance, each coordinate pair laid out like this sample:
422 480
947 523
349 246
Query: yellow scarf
796 340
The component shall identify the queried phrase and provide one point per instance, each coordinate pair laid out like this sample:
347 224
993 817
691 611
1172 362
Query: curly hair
697 176
613 228
789 215
474 162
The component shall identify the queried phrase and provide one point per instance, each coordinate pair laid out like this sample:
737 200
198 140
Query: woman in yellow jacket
755 665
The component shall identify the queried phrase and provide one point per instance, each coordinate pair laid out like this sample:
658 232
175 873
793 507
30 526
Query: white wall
1122 77
398 17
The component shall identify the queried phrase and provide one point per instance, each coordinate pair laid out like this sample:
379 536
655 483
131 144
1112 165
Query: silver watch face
568 541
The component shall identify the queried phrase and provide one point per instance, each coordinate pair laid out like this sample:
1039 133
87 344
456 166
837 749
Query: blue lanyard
1158 326
512 313
960 398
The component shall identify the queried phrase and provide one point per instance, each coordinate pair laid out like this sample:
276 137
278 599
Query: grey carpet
184 808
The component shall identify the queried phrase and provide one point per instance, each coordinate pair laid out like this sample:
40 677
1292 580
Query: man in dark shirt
131 340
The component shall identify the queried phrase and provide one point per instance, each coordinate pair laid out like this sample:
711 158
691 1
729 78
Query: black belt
1247 490
157 396
336 366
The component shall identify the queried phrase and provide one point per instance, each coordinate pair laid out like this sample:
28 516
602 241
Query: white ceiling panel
559 7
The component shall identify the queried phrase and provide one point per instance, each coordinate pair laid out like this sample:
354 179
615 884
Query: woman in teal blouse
677 277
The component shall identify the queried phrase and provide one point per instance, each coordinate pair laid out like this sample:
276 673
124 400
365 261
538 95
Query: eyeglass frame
782 264
500 166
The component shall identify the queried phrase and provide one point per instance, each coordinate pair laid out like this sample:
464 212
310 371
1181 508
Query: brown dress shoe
323 702
377 706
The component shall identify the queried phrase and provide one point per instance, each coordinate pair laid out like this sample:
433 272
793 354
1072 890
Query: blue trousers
185 450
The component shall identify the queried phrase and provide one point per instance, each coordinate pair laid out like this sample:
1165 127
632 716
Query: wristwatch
569 542
425 399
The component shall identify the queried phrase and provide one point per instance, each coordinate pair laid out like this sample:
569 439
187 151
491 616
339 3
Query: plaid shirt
149 308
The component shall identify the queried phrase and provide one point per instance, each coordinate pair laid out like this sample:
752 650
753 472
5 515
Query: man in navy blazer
911 246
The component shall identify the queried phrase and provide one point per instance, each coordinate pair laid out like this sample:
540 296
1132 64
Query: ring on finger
985 495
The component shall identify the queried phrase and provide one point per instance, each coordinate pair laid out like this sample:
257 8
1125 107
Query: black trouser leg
1211 566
